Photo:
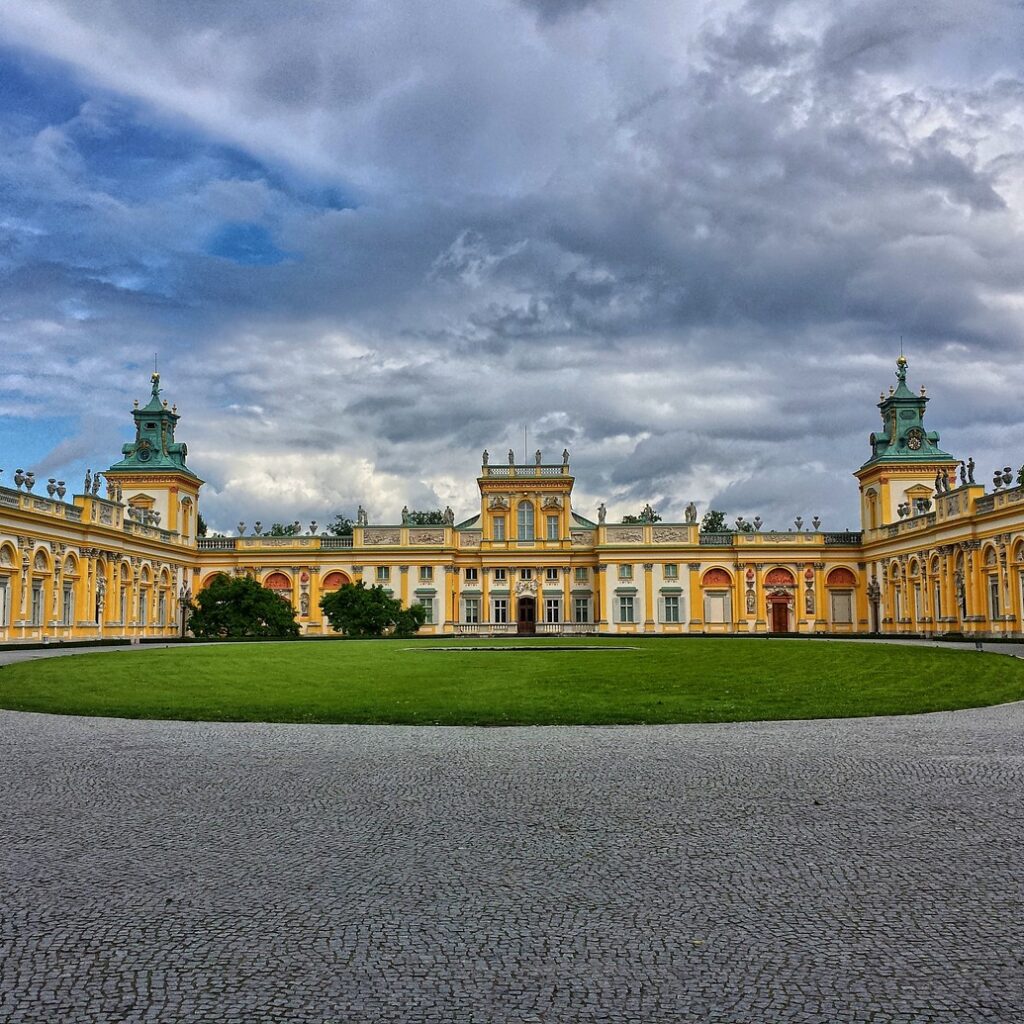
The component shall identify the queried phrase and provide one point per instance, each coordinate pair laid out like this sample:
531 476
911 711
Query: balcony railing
853 537
555 470
216 543
512 628
716 540
333 543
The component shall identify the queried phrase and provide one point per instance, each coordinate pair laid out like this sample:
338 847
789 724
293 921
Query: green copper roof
903 437
154 448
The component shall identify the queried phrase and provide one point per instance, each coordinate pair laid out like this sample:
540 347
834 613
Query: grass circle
387 682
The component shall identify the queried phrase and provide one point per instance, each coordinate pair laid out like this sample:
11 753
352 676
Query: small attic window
151 426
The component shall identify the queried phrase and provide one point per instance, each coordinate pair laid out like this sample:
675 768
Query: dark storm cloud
370 240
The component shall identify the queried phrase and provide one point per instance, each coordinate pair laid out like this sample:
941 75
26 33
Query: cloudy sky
369 238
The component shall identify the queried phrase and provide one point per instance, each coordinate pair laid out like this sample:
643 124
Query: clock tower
153 475
905 457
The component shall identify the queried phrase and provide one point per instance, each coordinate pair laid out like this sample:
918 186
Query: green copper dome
154 449
903 437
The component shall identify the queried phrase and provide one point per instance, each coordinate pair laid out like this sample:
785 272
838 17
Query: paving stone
822 872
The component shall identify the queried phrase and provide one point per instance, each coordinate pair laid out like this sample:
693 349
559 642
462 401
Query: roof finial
155 379
901 367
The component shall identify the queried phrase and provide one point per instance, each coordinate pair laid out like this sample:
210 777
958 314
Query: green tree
361 611
241 607
410 619
429 517
341 526
646 515
714 522
200 525
280 530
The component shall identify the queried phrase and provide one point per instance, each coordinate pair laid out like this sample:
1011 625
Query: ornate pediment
498 501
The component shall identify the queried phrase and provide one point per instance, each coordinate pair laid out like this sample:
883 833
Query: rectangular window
472 575
717 606
37 604
551 575
500 575
625 572
472 610
143 596
671 571
524 515
500 610
124 606
552 610
161 609
918 611
428 607
582 574
937 599
581 609
426 573
499 527
993 597
68 605
842 607
5 604
625 608
552 527
671 609
526 574
383 573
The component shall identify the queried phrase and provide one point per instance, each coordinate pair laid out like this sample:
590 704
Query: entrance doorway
780 616
526 616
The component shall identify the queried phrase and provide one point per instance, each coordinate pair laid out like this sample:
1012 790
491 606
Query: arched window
525 520
717 584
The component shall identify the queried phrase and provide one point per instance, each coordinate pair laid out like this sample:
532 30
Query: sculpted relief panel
426 536
387 535
664 534
625 534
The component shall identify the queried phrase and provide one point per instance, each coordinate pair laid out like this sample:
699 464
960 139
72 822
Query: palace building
936 555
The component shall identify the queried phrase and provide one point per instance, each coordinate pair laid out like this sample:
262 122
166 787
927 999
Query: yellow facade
935 557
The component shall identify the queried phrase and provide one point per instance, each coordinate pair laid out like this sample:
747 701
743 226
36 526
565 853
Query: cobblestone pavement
845 871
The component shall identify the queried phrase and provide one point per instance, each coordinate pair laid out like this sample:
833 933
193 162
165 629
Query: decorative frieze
670 534
426 536
386 535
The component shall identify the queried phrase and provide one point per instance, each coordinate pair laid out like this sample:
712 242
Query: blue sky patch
245 243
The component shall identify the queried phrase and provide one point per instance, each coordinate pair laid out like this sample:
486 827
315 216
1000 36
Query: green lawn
407 682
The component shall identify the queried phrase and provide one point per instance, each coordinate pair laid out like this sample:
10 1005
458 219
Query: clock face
143 453
914 440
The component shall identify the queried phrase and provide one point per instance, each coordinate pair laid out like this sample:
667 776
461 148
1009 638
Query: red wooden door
526 619
780 617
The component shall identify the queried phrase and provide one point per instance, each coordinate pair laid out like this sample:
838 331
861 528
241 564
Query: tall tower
905 457
153 474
